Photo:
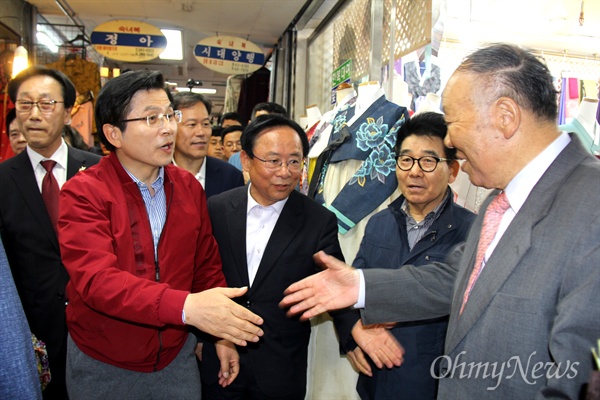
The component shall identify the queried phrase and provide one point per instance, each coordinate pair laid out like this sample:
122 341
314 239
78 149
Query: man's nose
415 169
448 142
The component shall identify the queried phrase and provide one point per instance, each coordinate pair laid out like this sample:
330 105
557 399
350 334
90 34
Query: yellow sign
229 55
131 41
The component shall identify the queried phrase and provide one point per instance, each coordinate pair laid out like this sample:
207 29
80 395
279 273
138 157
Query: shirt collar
278 206
201 174
522 184
432 214
60 156
158 182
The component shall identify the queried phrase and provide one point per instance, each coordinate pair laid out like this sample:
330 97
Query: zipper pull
157 271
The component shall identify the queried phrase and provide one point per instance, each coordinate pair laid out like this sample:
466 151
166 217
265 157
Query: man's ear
67 120
113 135
507 116
246 160
454 168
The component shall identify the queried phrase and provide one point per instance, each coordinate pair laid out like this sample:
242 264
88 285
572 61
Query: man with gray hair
522 292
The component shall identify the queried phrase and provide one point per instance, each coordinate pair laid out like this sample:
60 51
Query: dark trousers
244 387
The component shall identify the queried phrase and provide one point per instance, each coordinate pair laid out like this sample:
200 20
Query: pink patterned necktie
491 221
50 191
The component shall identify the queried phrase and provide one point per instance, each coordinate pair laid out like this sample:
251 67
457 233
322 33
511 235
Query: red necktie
491 221
50 191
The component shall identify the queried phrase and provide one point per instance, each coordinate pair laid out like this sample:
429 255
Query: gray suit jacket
533 314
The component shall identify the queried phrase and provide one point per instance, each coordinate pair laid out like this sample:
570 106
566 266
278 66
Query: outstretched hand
333 288
213 312
379 343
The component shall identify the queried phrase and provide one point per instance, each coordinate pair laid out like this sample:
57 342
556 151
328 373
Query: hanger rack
79 38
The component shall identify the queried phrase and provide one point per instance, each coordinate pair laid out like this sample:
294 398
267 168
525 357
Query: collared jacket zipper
157 272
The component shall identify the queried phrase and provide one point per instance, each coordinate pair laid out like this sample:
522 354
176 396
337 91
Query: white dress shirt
519 188
200 175
60 169
260 222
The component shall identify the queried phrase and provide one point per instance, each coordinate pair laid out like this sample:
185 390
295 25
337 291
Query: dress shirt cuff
361 290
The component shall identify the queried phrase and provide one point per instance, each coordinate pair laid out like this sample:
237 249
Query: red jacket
118 313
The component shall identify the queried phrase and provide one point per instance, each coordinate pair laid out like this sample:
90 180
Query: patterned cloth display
421 83
369 138
41 356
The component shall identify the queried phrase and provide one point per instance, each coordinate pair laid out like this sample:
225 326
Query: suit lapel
285 231
510 250
211 173
24 179
236 221
75 162
26 183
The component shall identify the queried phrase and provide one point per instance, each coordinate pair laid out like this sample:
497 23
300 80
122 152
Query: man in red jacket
137 242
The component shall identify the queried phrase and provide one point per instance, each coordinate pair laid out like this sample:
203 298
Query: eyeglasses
427 163
157 119
45 106
274 164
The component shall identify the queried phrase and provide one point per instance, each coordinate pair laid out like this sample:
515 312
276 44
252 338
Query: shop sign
229 55
341 74
130 41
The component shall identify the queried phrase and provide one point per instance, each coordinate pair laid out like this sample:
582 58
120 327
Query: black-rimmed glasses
274 164
427 163
45 106
157 119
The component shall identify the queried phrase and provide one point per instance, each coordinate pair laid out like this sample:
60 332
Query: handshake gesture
334 288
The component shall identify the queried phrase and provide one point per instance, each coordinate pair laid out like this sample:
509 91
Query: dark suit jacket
221 176
533 314
33 252
304 227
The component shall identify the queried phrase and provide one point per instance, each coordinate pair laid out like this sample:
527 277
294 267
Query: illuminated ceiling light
46 41
20 61
174 50
197 90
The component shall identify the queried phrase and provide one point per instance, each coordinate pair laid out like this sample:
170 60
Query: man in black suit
191 146
267 234
43 98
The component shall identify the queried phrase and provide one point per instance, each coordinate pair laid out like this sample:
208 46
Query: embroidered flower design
360 176
383 163
375 137
339 121
378 165
371 134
